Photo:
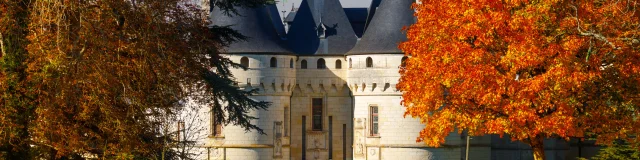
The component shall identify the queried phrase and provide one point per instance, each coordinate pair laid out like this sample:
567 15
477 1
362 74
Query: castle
330 73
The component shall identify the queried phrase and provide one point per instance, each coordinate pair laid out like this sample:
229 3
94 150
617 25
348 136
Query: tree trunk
537 145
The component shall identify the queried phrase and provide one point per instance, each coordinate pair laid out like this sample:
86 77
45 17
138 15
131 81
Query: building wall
328 84
348 93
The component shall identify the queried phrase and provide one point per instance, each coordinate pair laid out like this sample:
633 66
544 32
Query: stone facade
347 95
330 104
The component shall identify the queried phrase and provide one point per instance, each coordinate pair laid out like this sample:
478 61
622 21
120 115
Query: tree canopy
531 69
98 78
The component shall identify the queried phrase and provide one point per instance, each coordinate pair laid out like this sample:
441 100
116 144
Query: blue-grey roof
372 11
303 36
290 16
357 18
384 33
259 24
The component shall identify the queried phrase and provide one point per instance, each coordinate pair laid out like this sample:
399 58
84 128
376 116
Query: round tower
271 70
380 129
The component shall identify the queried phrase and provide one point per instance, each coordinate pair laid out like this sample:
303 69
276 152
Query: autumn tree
16 108
528 69
99 77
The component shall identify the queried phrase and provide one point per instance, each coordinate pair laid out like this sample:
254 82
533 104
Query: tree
529 69
98 78
16 108
618 151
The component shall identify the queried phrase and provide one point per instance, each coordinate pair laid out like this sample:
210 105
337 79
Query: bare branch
599 37
590 33
3 51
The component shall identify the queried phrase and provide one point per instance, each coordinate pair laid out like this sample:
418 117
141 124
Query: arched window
338 64
274 62
350 63
291 63
244 61
403 62
321 64
369 62
303 64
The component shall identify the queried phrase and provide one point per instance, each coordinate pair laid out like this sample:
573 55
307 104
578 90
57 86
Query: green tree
618 151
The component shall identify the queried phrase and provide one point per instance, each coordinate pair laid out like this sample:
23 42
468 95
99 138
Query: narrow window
244 61
374 120
291 63
403 62
218 129
303 64
338 64
316 107
216 126
321 64
274 62
350 63
180 131
369 62
286 121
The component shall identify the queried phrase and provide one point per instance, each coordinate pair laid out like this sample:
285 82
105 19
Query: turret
271 71
375 60
264 52
384 32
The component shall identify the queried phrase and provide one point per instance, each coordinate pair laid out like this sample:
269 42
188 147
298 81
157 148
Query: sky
285 5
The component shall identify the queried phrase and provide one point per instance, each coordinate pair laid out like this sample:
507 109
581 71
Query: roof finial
293 5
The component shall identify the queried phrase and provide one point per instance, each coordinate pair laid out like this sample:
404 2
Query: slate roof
303 37
372 11
290 16
384 33
258 25
358 18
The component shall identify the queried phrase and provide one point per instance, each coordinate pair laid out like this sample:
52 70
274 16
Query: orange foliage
529 69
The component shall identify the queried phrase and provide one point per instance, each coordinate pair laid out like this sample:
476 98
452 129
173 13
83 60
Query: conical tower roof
321 17
258 25
384 33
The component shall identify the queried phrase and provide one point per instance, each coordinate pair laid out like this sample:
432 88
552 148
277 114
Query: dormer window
321 30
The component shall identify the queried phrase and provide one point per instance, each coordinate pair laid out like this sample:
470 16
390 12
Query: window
216 126
179 131
369 62
303 64
274 62
244 61
322 64
350 63
338 64
316 113
373 116
217 131
403 61
291 63
286 121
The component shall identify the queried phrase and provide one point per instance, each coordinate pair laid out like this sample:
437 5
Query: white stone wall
330 85
379 79
421 153
347 94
